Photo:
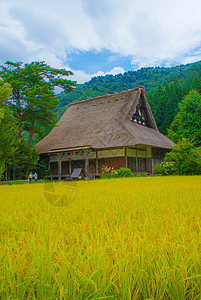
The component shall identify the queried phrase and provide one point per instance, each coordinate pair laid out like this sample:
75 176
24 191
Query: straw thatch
104 122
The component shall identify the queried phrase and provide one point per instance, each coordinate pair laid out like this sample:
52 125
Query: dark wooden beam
146 162
126 159
136 164
87 164
70 168
59 168
96 162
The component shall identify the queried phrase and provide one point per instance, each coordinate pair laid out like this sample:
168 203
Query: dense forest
165 100
165 87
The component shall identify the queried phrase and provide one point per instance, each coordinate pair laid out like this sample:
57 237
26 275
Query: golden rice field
135 238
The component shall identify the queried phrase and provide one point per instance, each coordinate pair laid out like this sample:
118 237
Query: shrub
141 175
166 168
107 172
16 182
122 172
157 169
184 159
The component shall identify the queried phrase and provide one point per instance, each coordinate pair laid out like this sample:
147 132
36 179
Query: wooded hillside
165 87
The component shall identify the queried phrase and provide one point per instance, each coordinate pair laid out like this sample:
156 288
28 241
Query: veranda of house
140 159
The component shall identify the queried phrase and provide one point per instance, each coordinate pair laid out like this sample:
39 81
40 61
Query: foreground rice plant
135 238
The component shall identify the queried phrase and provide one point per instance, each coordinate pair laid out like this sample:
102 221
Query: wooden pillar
152 167
136 164
59 168
70 167
146 169
96 162
49 168
126 159
87 164
152 162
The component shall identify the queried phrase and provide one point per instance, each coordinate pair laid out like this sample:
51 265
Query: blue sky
91 61
99 37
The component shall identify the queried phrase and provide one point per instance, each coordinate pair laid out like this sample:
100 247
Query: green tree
16 158
42 168
173 133
158 102
8 130
33 98
174 95
190 117
187 123
24 159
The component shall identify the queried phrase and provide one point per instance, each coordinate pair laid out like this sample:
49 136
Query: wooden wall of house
115 162
92 166
139 164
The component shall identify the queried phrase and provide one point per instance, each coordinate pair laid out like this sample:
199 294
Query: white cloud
116 70
82 77
151 32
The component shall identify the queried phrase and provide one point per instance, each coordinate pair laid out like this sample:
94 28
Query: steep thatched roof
104 122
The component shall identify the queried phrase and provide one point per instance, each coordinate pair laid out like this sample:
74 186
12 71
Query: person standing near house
30 177
35 176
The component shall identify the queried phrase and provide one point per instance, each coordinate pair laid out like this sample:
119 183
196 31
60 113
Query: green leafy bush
141 175
183 159
166 168
157 169
122 172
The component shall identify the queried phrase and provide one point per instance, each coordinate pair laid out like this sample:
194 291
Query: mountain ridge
149 77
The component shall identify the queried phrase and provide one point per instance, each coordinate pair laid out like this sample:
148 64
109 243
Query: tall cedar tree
33 99
8 130
16 158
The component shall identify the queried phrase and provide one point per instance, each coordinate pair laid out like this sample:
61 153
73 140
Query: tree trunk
31 133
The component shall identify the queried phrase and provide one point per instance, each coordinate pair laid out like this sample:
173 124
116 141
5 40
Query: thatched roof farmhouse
116 130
